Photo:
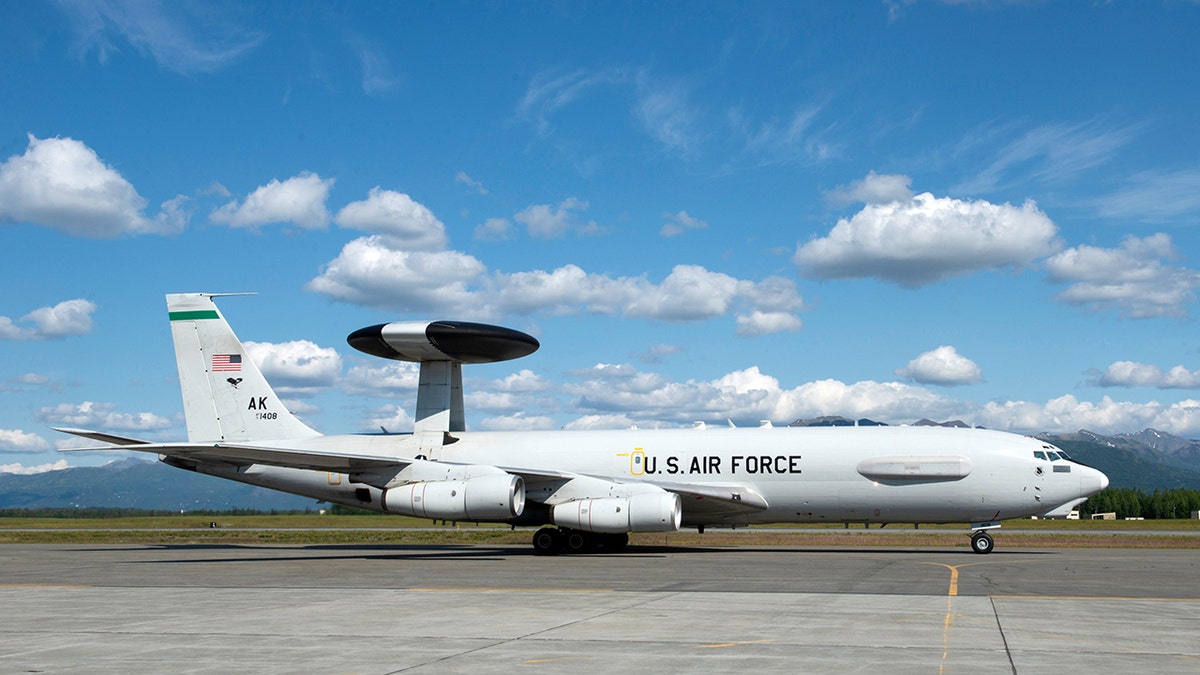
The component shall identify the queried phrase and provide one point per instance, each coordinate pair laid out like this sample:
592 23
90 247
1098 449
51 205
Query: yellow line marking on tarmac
735 644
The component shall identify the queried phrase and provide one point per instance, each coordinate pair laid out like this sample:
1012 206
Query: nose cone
1091 481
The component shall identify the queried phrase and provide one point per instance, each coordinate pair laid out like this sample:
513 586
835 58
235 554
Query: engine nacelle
648 512
493 497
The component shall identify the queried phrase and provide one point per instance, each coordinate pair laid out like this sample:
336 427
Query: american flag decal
227 363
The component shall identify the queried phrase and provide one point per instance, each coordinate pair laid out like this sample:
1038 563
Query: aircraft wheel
547 541
981 542
579 542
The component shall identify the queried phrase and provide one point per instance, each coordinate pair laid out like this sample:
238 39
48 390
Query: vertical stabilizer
440 397
225 397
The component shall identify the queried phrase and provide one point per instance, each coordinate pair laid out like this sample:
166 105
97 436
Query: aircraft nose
1092 481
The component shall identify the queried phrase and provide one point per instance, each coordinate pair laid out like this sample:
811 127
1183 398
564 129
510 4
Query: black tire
578 542
982 543
547 541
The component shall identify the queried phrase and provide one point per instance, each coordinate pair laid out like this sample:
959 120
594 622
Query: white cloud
1050 153
1067 413
494 229
391 418
1133 374
762 323
62 184
518 422
297 368
1154 197
23 470
545 221
678 223
69 317
665 113
299 200
184 37
550 92
101 416
15 440
944 366
874 189
391 380
928 239
378 76
592 422
1131 279
369 272
462 178
407 224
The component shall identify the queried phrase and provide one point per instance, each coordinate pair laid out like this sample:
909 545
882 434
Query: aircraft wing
716 498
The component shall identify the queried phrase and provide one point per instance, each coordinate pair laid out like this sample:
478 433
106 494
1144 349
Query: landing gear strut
552 541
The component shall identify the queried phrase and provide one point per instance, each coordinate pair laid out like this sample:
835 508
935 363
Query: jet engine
646 512
492 497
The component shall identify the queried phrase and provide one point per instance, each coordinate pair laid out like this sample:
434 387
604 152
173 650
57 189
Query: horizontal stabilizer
246 454
101 436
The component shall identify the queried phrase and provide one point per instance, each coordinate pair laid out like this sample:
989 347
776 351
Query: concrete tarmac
493 609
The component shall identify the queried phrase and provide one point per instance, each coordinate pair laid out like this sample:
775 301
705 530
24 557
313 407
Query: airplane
587 490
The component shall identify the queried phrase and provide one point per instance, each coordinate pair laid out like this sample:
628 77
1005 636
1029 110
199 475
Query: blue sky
967 210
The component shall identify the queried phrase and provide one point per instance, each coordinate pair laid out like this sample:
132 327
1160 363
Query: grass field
396 530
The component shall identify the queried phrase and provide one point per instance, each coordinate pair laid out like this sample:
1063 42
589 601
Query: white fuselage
823 474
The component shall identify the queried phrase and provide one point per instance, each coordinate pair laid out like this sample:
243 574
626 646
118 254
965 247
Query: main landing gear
552 541
981 542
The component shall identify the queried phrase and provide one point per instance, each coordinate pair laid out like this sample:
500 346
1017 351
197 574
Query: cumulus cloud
518 422
70 317
62 184
103 416
874 189
546 221
371 272
21 469
15 440
391 418
943 366
1133 374
299 200
762 323
678 223
927 239
618 396
1131 279
405 223
297 368
391 380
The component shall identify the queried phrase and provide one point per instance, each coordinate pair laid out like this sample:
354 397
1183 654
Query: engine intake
648 512
494 497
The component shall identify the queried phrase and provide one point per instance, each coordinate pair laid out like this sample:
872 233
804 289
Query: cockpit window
1039 454
1063 455
1053 456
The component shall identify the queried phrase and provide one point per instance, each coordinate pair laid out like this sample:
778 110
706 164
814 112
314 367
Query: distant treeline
1133 503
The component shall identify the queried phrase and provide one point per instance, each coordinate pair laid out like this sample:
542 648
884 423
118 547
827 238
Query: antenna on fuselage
441 347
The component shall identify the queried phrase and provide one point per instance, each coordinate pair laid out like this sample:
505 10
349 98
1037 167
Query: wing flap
717 498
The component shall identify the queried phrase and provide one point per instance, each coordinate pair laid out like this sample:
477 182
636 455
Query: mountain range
1148 460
